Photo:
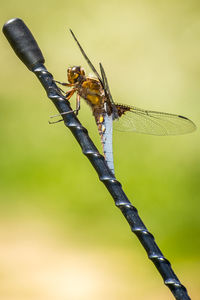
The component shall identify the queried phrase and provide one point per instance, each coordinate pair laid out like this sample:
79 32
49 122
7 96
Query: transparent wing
87 59
108 93
105 82
151 122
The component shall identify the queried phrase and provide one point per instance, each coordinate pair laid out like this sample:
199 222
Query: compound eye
82 71
76 69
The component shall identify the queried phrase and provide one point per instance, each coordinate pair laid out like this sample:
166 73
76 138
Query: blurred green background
61 237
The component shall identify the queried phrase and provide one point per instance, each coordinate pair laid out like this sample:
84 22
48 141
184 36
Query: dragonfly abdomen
105 127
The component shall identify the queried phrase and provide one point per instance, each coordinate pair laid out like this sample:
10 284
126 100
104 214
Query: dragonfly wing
105 82
151 122
88 60
108 93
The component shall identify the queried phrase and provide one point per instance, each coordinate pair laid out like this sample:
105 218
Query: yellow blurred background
61 237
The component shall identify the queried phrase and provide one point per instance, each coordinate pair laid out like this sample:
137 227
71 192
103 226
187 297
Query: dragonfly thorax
75 74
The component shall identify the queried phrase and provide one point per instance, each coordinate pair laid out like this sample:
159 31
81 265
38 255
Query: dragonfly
108 114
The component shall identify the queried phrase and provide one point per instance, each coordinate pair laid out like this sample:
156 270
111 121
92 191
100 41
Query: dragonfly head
75 74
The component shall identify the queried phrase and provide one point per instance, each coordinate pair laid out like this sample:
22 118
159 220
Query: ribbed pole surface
113 186
26 48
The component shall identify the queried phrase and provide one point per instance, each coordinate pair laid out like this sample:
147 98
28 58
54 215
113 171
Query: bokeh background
61 237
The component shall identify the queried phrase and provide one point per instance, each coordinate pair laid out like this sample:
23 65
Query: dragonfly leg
69 94
64 113
64 83
55 121
78 105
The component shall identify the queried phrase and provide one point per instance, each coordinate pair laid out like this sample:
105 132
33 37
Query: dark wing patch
151 122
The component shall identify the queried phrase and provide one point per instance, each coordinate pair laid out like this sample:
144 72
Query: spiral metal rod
113 186
26 48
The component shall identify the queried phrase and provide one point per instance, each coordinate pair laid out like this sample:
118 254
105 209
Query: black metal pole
26 48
